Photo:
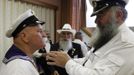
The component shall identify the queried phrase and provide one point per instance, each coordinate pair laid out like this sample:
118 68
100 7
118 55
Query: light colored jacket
17 62
114 58
83 46
18 67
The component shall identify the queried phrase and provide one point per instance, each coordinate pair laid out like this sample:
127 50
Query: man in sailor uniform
28 35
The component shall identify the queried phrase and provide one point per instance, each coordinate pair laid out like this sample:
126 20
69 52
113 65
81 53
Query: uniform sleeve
20 67
84 49
107 66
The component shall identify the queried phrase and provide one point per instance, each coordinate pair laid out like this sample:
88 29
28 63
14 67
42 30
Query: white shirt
47 47
114 58
83 46
18 67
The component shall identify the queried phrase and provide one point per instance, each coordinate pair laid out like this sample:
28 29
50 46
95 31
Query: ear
24 37
119 15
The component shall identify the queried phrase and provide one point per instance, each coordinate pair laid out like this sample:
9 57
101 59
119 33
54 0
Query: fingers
51 63
56 72
50 60
51 57
56 52
57 58
52 54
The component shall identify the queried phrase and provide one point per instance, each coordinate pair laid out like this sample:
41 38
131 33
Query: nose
65 36
98 19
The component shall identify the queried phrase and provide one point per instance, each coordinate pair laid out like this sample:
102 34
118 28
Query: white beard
65 45
95 36
104 33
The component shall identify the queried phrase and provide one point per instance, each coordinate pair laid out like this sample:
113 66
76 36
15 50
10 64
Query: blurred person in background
67 45
78 38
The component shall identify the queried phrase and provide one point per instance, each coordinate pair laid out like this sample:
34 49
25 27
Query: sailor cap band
100 5
26 19
31 21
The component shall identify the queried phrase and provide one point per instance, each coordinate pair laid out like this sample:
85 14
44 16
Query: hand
58 58
55 73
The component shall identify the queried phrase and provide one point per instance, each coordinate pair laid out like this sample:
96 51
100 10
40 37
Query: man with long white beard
104 32
113 44
65 44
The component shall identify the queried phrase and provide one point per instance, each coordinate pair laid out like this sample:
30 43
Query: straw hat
67 28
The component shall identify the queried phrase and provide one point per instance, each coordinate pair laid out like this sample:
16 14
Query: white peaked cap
22 21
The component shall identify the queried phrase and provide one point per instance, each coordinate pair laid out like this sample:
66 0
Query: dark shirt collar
14 53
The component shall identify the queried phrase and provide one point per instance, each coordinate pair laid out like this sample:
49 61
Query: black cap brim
40 22
30 21
101 5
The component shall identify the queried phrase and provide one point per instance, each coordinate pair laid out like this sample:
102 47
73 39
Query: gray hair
124 11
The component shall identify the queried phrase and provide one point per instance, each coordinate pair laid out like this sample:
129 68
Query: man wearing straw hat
65 44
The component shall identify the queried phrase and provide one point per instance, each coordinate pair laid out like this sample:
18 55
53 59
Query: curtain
79 13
